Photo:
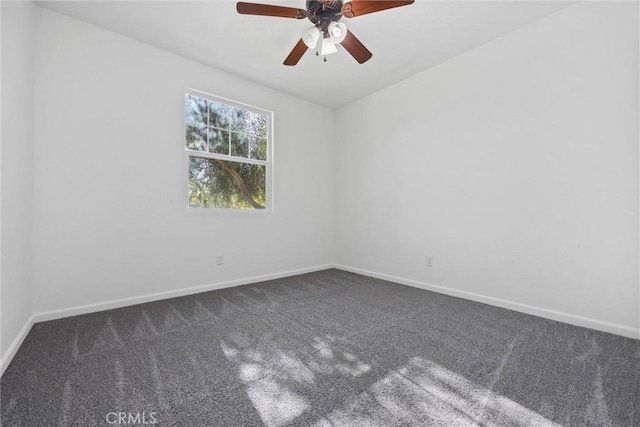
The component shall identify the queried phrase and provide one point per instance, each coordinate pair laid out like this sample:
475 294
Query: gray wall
110 175
515 165
17 170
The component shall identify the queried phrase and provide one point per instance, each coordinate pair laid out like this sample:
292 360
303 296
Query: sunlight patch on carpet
276 404
424 393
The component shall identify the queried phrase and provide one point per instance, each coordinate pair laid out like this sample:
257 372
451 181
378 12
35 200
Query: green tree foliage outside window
227 148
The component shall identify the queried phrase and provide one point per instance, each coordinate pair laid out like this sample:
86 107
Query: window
228 148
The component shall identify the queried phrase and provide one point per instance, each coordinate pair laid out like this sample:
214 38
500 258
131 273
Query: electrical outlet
429 261
220 259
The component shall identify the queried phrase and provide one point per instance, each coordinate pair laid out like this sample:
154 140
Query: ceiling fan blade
270 10
356 48
296 53
362 7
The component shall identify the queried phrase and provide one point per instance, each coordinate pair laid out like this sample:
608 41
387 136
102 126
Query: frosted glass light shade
310 37
337 32
328 47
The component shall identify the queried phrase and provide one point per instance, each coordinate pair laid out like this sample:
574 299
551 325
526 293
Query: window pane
240 120
196 137
218 141
239 145
219 115
217 183
259 125
195 109
258 148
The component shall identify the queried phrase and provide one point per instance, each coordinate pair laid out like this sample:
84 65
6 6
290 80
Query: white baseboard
108 305
7 357
90 308
523 308
571 319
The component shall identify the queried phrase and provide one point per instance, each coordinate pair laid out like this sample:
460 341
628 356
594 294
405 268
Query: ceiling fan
326 32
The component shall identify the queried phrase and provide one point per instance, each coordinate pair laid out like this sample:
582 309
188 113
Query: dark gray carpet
323 349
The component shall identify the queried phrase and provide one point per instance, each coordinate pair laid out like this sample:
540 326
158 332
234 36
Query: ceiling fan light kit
324 14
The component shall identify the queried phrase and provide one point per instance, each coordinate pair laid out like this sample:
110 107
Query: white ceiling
404 40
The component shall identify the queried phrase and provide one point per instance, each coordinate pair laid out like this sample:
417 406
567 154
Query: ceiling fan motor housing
323 12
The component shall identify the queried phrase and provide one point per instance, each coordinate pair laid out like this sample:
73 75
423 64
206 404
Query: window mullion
204 154
229 131
208 126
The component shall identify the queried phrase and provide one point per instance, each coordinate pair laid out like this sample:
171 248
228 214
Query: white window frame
268 163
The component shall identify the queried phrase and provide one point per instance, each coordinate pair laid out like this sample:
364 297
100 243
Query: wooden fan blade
362 7
356 48
296 53
270 10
